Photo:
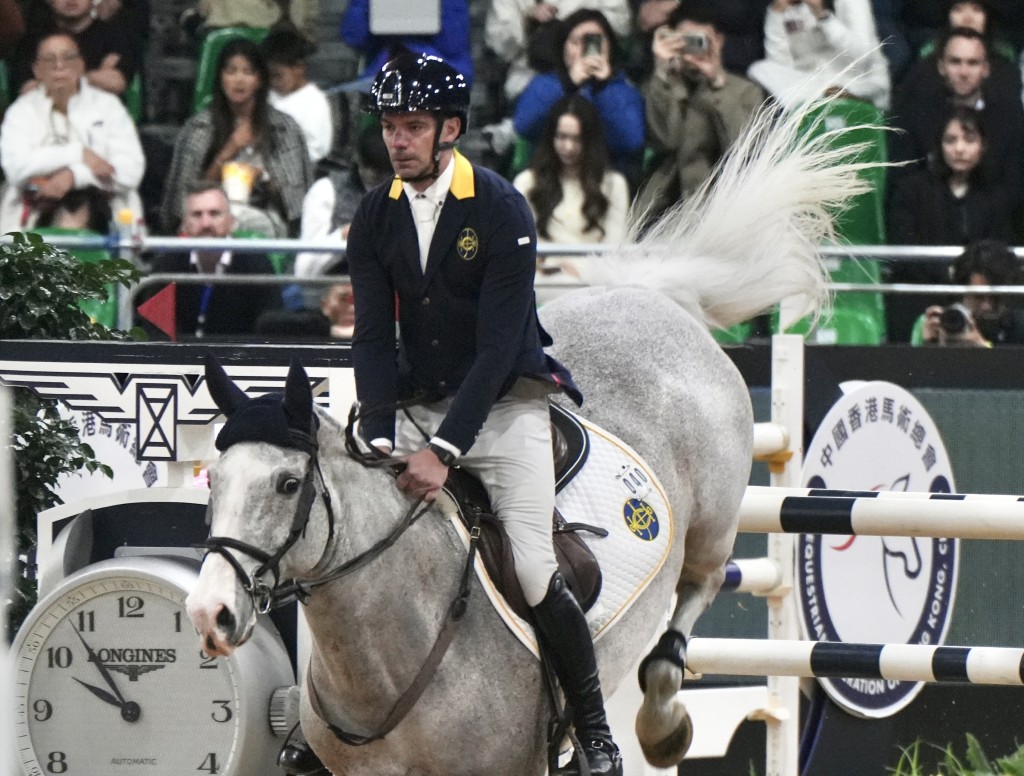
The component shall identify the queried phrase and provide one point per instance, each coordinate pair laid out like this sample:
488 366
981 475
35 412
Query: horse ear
298 398
225 394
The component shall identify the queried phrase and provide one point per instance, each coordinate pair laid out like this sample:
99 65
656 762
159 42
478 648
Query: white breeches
513 459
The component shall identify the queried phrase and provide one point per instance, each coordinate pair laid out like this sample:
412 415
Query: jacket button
442 385
426 300
434 343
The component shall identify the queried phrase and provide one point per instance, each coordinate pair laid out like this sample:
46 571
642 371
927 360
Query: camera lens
953 320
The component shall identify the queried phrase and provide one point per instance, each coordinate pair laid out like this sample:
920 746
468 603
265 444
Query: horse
638 344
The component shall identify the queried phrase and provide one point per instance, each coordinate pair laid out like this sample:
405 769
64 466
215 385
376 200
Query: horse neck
372 629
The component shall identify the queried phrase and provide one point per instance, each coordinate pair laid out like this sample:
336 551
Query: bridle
266 597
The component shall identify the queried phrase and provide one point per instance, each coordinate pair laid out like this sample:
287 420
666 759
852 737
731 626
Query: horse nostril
226 620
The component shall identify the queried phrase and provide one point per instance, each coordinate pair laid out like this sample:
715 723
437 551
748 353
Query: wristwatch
445 456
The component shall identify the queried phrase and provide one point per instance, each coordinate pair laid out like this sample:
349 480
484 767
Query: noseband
265 597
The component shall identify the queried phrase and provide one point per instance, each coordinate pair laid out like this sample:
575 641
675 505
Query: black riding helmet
412 82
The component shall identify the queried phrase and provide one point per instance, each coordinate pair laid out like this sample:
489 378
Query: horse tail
749 237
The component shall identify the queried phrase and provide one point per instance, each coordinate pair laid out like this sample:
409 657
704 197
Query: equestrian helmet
412 82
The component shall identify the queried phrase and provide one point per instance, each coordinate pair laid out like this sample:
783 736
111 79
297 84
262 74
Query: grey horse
639 346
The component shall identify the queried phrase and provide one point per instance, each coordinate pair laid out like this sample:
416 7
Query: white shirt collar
222 263
438 190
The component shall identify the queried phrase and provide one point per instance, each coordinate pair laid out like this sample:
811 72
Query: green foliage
974 763
40 287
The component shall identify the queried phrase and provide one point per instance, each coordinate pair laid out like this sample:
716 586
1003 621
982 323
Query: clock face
110 679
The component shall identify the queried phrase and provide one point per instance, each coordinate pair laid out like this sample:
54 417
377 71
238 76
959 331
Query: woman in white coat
63 135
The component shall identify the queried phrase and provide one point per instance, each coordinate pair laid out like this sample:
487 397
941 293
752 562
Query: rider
456 245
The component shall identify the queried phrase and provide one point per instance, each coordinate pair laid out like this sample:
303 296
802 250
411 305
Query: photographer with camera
695 108
979 320
818 46
588 67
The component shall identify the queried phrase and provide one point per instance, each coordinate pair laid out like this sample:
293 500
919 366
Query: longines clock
110 678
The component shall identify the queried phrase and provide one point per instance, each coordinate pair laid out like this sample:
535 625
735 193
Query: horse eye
287 484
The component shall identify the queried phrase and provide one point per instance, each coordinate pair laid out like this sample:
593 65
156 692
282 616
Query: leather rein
266 597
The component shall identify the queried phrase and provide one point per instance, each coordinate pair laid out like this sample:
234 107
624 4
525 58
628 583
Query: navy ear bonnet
282 420
265 419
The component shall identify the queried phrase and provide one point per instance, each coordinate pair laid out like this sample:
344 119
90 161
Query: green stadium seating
917 333
863 223
132 98
5 87
841 326
521 153
734 335
282 262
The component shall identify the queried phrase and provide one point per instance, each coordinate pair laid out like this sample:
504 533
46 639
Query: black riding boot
565 637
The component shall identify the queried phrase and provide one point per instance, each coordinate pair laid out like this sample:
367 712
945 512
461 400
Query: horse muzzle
221 612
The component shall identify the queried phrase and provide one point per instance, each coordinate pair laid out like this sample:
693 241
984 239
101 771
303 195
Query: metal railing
138 245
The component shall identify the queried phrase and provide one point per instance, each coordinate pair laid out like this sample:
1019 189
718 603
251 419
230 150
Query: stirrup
606 760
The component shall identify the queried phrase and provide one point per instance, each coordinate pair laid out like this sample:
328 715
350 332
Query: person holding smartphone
588 66
695 108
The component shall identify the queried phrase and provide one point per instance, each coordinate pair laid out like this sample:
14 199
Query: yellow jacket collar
463 183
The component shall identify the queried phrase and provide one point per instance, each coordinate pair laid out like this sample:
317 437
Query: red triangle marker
159 310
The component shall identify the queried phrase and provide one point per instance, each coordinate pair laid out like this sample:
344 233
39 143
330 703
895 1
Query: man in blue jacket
455 247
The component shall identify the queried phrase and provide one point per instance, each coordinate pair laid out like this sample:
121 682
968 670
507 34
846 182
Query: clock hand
130 710
93 658
100 693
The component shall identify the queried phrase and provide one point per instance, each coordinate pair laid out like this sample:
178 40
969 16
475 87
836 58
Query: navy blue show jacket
468 325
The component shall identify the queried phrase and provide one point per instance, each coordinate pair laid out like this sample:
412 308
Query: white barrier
999 517
784 510
898 662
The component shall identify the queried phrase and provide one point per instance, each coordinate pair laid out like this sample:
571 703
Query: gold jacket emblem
468 244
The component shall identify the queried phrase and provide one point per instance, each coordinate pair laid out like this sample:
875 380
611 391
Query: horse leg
663 725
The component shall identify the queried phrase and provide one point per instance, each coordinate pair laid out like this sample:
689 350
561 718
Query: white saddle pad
617 491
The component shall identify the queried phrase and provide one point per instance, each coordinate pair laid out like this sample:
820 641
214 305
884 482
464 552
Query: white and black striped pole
939 515
895 662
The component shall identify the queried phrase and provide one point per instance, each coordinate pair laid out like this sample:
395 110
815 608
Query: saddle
575 559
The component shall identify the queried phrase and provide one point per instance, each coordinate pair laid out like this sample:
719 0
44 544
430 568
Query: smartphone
695 42
592 44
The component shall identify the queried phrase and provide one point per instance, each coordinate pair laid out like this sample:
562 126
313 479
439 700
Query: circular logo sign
872 589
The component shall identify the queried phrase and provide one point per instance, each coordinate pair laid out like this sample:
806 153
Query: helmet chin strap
435 171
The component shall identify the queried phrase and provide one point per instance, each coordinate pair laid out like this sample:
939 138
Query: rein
265 597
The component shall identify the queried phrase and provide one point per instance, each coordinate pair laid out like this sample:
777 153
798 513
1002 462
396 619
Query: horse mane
749 236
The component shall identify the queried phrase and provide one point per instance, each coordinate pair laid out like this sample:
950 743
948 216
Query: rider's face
409 138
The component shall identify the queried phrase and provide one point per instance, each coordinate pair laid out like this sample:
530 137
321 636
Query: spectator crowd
594 108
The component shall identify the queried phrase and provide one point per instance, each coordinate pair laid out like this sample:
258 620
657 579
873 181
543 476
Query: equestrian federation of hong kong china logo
876 589
468 244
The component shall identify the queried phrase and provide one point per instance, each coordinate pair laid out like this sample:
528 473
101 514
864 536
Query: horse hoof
665 751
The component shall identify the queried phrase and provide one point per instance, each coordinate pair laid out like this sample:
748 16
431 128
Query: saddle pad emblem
641 519
617 491
468 244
